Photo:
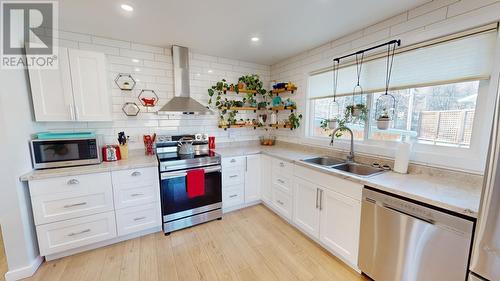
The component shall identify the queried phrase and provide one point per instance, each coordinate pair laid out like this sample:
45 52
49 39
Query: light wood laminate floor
3 258
249 244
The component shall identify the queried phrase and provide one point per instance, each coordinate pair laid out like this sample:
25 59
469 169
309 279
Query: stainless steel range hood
182 103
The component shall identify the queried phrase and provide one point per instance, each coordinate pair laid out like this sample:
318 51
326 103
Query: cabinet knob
73 181
233 160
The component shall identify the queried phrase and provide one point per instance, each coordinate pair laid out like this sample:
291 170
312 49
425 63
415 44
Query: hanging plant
356 113
216 92
294 120
383 121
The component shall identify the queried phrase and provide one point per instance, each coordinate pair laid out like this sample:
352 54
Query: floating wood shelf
278 108
291 90
225 127
243 91
240 108
280 126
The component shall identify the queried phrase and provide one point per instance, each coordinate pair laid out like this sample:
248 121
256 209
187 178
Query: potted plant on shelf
250 100
262 105
383 121
294 120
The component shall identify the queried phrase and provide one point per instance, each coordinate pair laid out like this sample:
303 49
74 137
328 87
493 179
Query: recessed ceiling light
255 39
210 71
127 8
135 60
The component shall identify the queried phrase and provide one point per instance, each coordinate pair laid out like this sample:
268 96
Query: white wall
15 209
431 20
155 71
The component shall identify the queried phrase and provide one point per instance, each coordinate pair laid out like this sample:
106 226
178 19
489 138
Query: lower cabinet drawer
139 218
65 235
233 196
232 177
282 202
136 196
50 208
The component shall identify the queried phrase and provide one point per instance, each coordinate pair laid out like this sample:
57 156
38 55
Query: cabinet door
51 91
90 86
339 227
266 178
252 178
306 207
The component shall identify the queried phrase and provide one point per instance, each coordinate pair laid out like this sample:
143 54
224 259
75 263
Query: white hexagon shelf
131 109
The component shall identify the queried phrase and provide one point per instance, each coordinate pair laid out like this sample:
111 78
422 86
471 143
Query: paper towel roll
402 160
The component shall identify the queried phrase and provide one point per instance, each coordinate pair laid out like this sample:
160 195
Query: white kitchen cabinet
76 91
282 202
88 77
306 211
266 178
252 178
340 224
52 92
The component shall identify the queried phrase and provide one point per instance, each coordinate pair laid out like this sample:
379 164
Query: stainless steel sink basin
358 169
324 161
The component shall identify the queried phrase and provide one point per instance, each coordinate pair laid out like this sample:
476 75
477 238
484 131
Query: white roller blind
462 59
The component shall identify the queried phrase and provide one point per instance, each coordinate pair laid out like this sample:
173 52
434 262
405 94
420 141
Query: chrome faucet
350 157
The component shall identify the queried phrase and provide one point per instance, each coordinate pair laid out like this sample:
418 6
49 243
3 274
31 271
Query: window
438 115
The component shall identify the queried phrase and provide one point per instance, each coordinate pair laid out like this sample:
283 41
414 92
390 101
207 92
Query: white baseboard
24 272
102 244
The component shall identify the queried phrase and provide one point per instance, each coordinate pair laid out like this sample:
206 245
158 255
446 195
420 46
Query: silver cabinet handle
139 218
232 177
232 196
136 174
321 199
75 205
137 194
317 194
281 181
279 202
73 181
233 160
282 164
246 164
80 232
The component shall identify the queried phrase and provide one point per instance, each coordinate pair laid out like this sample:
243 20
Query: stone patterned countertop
136 160
452 194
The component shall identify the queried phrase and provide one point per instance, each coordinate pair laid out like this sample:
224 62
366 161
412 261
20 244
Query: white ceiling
224 27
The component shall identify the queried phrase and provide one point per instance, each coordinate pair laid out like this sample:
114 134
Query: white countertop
137 159
452 194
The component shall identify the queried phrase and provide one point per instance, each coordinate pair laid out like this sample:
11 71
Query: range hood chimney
182 103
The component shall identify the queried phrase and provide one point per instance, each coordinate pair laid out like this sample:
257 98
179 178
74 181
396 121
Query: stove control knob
198 137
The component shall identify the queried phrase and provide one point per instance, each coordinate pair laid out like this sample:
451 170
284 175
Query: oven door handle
183 173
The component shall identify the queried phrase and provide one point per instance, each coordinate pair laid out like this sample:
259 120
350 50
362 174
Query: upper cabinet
76 91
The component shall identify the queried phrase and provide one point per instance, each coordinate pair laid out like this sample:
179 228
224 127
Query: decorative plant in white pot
383 121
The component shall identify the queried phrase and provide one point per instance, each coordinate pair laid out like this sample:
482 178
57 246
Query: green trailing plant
357 112
250 100
294 120
216 92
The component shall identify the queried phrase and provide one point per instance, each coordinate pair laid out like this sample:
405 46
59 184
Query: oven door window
57 151
175 198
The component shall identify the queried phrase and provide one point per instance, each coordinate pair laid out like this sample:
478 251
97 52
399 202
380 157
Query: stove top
170 160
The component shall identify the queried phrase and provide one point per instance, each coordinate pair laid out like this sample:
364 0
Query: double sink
343 165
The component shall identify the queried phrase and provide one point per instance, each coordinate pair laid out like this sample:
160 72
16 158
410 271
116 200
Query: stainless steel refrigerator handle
183 173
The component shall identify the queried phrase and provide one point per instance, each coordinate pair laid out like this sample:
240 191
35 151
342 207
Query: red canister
211 142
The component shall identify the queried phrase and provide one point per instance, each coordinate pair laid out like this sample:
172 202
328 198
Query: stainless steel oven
180 211
55 153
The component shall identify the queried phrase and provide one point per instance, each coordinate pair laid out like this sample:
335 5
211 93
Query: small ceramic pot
383 124
333 124
356 112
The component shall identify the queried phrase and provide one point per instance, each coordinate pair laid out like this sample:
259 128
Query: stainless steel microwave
56 153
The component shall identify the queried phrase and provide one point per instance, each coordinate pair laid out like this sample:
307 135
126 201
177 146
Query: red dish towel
195 183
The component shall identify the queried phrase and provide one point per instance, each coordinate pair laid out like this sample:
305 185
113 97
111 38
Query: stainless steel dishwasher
404 241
